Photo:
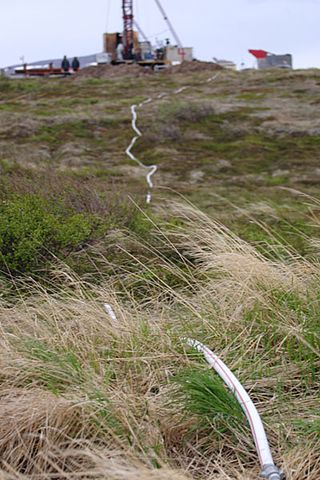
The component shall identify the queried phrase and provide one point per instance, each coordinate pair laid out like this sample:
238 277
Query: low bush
34 230
31 229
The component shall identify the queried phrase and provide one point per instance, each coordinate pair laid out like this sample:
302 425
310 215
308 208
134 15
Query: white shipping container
176 54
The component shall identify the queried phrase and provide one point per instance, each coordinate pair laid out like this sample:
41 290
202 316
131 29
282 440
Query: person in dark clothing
75 64
65 65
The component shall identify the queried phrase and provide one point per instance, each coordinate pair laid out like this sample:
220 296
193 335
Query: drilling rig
128 37
126 47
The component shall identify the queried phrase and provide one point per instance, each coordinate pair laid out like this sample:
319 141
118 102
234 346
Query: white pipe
269 469
152 168
110 312
182 89
148 100
134 120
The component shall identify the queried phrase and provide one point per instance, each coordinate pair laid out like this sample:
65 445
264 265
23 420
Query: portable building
271 60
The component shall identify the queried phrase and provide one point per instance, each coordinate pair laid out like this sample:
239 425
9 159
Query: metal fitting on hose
271 472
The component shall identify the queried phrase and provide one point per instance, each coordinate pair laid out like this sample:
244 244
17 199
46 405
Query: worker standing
120 50
75 64
65 65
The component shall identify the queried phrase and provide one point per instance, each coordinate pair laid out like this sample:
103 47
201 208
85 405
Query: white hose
110 312
180 90
152 169
269 469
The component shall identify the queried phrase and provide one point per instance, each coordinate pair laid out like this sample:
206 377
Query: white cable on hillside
110 312
152 168
182 89
162 95
148 100
269 469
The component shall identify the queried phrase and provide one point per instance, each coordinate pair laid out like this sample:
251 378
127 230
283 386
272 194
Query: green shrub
72 232
31 229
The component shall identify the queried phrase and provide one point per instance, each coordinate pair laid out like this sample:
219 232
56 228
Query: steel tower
127 8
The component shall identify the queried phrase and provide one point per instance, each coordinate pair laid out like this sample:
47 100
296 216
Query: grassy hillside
227 253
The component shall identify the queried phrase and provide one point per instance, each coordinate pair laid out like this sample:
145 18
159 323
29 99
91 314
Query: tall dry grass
83 396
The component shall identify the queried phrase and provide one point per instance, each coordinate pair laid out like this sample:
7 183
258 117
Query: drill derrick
127 9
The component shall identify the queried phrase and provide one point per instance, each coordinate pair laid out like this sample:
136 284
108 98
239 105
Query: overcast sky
44 29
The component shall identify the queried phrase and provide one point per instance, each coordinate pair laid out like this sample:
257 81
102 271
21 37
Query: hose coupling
271 472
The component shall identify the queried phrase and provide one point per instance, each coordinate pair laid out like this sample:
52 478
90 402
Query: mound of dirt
195 66
134 70
113 71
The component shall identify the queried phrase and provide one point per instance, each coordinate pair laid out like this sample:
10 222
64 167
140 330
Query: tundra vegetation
227 253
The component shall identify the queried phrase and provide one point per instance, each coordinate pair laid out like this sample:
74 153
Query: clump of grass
218 413
206 396
35 419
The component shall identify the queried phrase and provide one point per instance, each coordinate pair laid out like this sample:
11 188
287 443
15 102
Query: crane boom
140 31
172 30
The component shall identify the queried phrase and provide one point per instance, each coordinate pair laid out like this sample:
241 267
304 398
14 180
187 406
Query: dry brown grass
84 397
